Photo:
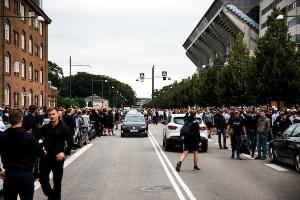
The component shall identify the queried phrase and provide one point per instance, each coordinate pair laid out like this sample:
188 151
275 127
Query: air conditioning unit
17 67
31 14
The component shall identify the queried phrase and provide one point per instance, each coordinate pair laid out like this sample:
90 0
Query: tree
276 68
55 74
233 78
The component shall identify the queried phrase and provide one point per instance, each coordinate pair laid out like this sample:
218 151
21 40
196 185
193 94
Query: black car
134 124
286 147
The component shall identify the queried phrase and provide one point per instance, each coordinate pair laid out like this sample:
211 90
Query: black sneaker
258 158
196 168
225 148
232 156
178 166
239 158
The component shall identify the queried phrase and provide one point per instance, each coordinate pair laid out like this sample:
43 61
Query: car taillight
203 128
172 127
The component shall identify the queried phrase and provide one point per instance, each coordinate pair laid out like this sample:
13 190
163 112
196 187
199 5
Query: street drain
160 188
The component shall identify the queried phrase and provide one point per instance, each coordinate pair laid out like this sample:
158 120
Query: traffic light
142 76
164 78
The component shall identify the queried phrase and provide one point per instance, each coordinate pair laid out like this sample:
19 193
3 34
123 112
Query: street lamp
93 90
70 79
282 17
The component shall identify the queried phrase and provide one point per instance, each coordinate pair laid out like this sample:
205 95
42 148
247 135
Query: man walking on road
55 134
18 151
237 125
191 141
220 124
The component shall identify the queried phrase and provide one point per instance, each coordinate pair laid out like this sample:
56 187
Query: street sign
164 73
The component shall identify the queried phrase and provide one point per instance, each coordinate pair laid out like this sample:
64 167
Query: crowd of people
41 138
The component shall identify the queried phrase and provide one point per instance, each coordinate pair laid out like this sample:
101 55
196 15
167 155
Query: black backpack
185 130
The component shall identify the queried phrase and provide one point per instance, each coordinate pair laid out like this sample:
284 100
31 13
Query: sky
123 38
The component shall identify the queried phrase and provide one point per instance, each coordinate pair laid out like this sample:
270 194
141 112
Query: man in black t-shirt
236 129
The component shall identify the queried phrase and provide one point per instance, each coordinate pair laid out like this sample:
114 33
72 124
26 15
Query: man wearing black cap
237 126
220 124
18 150
33 122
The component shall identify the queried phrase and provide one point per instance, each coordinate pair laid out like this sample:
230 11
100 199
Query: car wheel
146 135
167 146
272 155
164 142
122 135
297 162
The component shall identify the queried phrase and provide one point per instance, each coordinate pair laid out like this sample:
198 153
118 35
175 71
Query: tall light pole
70 79
282 17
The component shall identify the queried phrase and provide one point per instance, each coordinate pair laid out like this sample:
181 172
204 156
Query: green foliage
55 74
276 65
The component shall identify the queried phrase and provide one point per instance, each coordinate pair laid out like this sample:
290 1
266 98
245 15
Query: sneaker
258 158
225 148
239 158
232 156
196 168
264 158
178 166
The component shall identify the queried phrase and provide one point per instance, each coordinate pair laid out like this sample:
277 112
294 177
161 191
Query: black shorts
209 125
190 146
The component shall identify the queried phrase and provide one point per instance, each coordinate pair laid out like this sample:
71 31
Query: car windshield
134 118
180 120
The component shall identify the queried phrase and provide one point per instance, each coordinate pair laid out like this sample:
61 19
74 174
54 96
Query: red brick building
24 54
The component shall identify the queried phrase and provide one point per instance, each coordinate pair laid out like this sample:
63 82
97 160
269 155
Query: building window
30 19
16 67
23 97
36 76
41 28
23 41
30 72
16 7
36 99
41 76
16 38
22 11
41 52
7 63
16 99
7 95
23 69
36 50
41 99
30 48
30 95
7 3
7 31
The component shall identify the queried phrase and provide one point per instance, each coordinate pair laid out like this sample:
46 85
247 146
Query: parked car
134 124
286 147
171 133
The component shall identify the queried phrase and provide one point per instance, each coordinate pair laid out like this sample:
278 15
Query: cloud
122 38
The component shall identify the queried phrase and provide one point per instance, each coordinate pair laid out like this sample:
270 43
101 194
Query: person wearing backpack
191 140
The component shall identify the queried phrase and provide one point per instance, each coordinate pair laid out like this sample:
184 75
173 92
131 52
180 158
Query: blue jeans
262 144
18 182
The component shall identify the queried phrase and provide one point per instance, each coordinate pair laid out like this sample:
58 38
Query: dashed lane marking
276 167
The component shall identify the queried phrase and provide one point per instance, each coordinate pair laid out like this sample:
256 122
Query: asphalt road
136 168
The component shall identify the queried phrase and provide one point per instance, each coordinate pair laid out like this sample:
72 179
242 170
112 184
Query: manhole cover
160 188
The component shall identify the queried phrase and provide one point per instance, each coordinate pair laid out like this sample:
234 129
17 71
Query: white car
171 133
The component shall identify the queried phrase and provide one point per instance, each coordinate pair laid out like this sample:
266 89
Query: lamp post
70 79
282 17
93 90
112 87
39 18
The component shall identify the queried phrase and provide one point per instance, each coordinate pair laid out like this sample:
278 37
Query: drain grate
159 188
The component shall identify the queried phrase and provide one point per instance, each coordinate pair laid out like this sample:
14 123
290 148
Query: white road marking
276 167
174 184
179 179
37 184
